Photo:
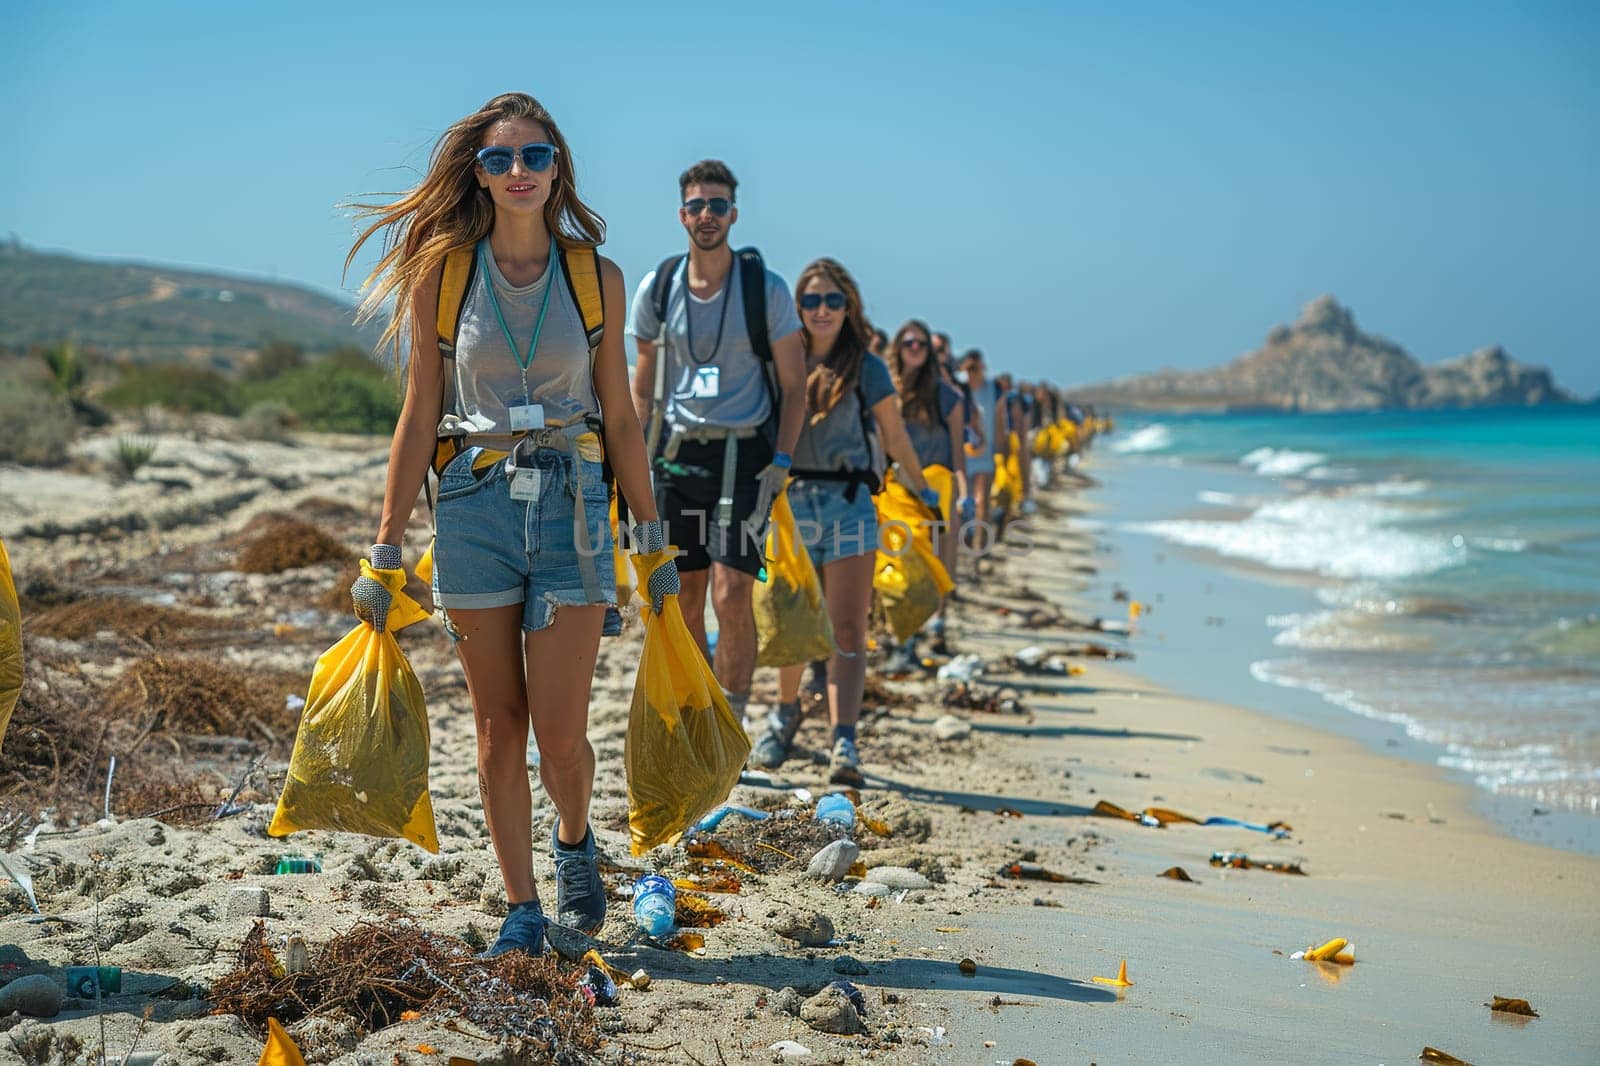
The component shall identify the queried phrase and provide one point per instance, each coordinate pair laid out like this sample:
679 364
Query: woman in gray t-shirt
832 505
934 419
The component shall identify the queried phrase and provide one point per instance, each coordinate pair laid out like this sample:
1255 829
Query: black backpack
753 287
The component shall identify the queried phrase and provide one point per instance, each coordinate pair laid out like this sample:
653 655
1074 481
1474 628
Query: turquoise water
1444 568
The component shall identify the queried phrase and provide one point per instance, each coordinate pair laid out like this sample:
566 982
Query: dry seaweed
82 619
191 695
288 544
375 973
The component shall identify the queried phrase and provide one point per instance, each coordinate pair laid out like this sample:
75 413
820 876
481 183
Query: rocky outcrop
1324 362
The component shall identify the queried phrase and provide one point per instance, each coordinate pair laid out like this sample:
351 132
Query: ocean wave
1510 545
1341 536
1341 631
1399 487
1221 499
1281 462
1152 438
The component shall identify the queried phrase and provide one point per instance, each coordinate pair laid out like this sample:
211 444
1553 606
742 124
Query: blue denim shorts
493 551
831 526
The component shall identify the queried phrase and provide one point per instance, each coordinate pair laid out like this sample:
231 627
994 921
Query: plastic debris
639 979
1506 1005
961 668
82 981
654 905
598 987
299 864
1433 1054
1337 950
714 819
836 808
280 1049
696 912
14 870
935 1034
1276 830
1119 981
1032 871
1238 860
789 1049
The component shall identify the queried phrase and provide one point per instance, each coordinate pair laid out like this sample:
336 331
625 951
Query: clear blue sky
1080 190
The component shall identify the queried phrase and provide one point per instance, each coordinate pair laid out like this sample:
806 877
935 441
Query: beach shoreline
1444 908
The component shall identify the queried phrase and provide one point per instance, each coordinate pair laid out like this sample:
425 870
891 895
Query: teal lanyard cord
523 361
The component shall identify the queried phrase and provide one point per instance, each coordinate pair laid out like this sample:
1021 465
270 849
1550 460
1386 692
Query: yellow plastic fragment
1119 981
1326 951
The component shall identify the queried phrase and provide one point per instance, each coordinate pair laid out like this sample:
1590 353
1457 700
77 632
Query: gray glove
650 537
370 597
772 478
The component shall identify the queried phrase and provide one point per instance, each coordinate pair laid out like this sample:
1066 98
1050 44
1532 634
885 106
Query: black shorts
687 491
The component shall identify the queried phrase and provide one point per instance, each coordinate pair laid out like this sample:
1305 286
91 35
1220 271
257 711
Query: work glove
650 538
969 508
370 597
930 498
772 478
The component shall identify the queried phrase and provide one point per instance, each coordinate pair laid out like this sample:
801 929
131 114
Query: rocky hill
149 314
1325 363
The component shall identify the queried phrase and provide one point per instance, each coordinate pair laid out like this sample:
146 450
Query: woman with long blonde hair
846 385
515 413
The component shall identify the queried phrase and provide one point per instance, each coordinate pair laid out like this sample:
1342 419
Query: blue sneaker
523 930
580 894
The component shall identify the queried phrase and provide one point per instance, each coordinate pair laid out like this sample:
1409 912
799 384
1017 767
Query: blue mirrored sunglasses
813 300
536 157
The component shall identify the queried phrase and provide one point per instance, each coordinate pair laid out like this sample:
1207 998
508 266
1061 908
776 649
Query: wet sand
1444 910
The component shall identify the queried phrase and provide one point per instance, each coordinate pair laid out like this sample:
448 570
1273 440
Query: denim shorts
831 526
493 551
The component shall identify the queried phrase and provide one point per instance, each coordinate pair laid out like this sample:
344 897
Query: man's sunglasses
536 157
813 300
719 206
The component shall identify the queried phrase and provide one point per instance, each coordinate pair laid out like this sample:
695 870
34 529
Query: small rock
834 860
873 888
969 967
787 1001
850 966
898 877
830 1011
950 728
37 996
249 901
812 930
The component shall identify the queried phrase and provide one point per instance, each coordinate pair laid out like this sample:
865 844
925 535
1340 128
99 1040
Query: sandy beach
1444 910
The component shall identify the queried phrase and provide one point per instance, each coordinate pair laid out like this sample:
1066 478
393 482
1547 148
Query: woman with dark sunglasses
519 392
832 505
936 423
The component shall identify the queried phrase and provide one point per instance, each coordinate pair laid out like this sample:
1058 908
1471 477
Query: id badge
706 383
526 416
526 482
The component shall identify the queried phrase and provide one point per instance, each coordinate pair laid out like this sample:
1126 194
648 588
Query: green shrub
274 359
36 423
131 453
271 420
332 397
175 387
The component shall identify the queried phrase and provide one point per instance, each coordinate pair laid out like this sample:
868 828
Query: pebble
897 877
787 1001
813 930
850 966
873 888
249 901
949 727
831 1011
834 860
36 995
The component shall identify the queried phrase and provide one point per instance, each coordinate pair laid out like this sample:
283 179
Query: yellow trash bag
10 644
684 748
360 762
791 616
1007 488
942 481
909 578
281 1049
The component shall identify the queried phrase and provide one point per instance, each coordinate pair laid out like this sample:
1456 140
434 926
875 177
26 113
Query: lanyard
688 322
523 361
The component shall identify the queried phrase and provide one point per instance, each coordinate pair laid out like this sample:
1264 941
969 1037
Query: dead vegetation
82 619
380 974
179 694
287 544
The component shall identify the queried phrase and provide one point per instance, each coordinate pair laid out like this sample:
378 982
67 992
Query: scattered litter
1161 817
1114 625
962 668
714 819
1177 873
1276 830
83 980
598 987
299 864
1119 981
837 809
281 1050
935 1034
1506 1005
23 880
1337 950
789 1049
689 942
1032 871
294 704
1433 1054
654 905
696 912
1007 812
1238 860
803 795
639 979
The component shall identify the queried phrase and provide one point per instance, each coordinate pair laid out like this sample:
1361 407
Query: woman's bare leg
561 661
847 587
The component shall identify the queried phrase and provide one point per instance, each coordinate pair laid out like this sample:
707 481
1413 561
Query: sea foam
1152 438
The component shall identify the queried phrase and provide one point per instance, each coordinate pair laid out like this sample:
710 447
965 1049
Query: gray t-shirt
836 442
712 383
932 439
489 379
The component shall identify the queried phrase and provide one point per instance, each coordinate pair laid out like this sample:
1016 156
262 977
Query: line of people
520 405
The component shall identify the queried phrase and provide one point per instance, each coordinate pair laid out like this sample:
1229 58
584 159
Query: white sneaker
846 764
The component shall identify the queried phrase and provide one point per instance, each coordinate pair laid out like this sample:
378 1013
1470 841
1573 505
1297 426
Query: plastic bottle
836 807
655 904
